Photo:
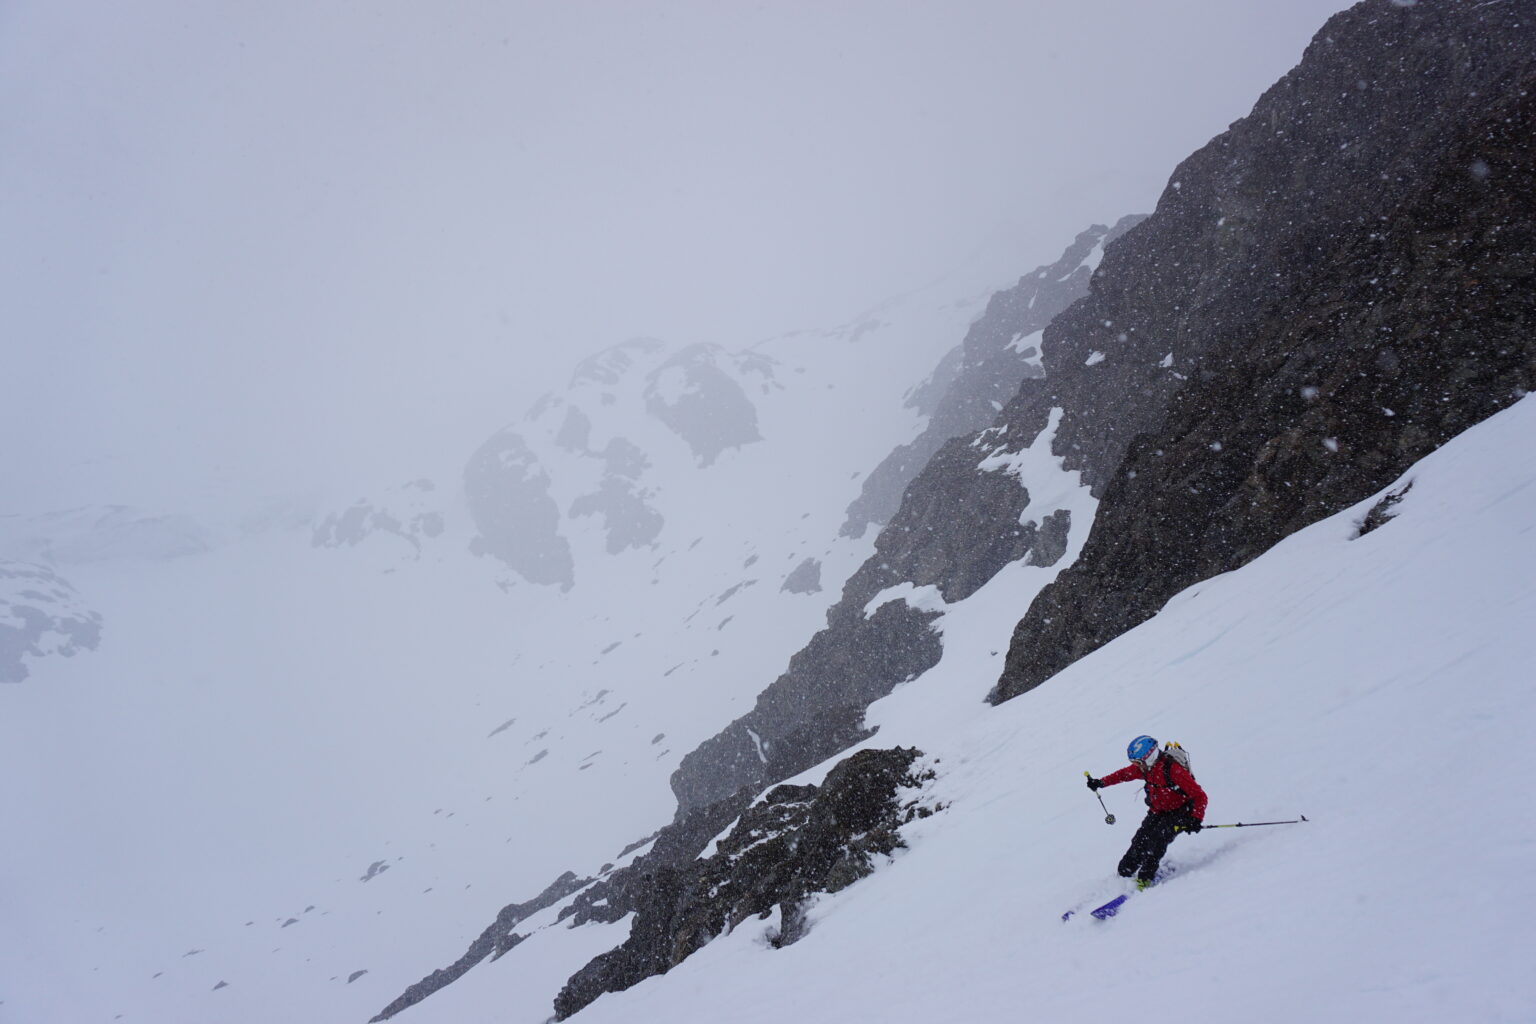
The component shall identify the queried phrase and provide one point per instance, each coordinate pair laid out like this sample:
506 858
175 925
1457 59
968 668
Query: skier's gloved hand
1094 783
1193 825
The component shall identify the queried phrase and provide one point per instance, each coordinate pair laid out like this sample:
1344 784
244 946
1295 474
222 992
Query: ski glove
1193 825
1094 783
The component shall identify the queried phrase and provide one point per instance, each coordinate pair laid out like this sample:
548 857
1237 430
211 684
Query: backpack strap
1168 782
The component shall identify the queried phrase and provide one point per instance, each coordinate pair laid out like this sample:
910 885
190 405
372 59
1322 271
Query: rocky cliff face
976 379
1327 292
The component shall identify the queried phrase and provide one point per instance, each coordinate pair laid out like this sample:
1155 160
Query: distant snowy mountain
101 533
286 739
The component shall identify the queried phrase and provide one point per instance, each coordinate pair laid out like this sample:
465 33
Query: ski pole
1254 824
1109 819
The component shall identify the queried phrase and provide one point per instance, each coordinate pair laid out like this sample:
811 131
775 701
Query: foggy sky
250 248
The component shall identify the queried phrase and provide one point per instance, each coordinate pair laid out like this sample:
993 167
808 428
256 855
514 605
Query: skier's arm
1130 773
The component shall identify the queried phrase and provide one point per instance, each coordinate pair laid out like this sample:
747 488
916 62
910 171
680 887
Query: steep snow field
1379 684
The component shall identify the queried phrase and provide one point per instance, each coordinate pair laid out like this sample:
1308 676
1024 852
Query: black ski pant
1150 843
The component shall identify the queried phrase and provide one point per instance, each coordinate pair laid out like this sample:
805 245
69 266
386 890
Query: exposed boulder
1384 511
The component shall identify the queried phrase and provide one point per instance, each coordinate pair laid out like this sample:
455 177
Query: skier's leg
1141 844
1160 829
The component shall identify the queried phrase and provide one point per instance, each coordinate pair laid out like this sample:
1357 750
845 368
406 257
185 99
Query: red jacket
1164 781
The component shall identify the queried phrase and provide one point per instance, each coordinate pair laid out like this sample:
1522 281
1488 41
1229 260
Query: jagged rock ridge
799 841
981 374
497 938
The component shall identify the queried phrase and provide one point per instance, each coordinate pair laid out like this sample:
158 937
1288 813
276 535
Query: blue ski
1112 908
1109 909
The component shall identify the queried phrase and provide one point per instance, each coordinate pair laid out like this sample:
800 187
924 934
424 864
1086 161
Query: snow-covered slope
305 747
1377 683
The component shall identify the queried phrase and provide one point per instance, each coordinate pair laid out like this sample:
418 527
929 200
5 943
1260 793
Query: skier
1175 803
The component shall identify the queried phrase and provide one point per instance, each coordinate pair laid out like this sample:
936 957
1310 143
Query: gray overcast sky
254 246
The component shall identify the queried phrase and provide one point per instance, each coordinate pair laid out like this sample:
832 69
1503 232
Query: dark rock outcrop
1384 511
1326 293
957 525
622 892
980 375
816 708
800 840
493 942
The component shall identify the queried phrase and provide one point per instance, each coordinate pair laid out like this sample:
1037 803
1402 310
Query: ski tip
1109 909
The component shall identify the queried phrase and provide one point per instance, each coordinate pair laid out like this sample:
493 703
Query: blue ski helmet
1140 748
